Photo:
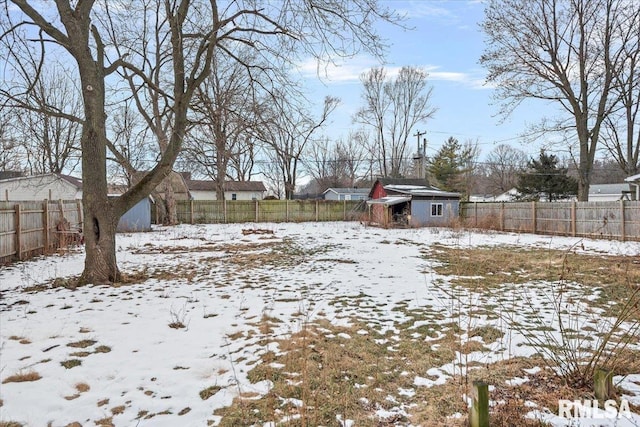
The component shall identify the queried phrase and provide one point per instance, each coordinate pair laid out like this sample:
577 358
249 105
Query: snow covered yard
208 314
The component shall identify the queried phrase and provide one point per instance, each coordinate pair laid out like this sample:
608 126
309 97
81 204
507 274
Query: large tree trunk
100 219
100 266
171 217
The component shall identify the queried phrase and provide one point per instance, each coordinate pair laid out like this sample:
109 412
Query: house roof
612 189
208 185
76 182
347 190
633 178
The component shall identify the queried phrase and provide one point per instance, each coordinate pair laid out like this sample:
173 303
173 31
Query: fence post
573 218
224 210
475 214
257 211
479 416
534 219
344 210
286 207
18 232
623 231
45 225
501 216
317 210
603 384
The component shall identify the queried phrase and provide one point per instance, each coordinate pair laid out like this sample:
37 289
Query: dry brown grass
82 387
616 276
117 410
82 344
209 391
71 363
353 378
21 377
105 422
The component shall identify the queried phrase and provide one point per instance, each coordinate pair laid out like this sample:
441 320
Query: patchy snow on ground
132 367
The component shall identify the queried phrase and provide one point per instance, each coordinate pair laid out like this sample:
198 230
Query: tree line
130 89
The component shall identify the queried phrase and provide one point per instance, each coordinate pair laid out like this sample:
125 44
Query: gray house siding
138 218
330 195
445 211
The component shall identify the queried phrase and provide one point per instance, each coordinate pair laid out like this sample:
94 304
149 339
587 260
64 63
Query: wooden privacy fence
30 228
230 211
610 220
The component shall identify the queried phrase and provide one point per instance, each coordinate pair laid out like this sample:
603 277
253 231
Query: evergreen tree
450 165
544 179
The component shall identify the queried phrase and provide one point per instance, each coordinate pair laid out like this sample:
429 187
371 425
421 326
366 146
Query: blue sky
447 42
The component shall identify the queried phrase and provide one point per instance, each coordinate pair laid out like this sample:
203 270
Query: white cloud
349 71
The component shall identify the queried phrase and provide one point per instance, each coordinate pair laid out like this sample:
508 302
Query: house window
234 196
436 209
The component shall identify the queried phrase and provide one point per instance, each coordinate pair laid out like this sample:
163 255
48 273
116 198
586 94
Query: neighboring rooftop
17 176
208 185
347 190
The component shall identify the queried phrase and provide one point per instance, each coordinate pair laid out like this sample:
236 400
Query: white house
233 190
634 183
507 196
51 186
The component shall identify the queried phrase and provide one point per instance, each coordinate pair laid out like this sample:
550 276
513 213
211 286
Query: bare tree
323 165
563 51
287 131
392 108
51 142
622 127
504 165
352 153
339 164
47 129
10 152
225 110
129 135
189 33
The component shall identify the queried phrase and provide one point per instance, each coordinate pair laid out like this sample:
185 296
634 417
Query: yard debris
246 231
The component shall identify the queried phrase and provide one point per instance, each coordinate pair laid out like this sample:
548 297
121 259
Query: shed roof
633 178
431 193
389 200
404 181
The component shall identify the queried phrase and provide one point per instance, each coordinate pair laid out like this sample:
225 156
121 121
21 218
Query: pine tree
448 167
544 179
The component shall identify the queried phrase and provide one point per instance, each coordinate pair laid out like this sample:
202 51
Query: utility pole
421 153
